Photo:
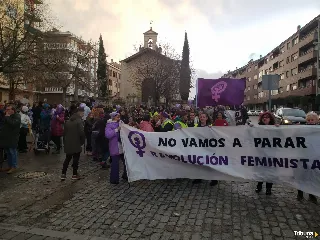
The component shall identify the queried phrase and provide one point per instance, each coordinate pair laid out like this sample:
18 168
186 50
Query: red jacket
220 122
57 125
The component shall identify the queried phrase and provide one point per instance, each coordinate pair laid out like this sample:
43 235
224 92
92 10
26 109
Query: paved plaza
38 205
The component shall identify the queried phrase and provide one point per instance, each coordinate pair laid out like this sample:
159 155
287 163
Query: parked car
251 113
259 112
290 116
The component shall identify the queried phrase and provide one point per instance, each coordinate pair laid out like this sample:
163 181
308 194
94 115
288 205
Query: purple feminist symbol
217 89
138 141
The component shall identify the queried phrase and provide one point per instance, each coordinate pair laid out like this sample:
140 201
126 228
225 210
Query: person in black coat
266 118
101 141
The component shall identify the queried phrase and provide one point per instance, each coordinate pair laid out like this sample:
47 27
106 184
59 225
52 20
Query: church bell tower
150 39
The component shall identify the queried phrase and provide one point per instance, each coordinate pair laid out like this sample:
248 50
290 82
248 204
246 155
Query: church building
137 86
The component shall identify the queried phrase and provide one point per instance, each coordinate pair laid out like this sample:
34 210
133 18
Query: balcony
307 56
311 37
307 73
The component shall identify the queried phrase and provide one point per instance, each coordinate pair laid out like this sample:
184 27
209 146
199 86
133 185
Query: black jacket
10 130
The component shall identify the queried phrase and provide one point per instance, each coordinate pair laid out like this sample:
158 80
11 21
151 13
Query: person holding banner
266 118
312 119
220 120
204 122
112 132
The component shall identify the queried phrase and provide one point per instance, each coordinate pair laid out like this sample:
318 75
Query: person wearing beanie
24 129
112 132
74 138
166 125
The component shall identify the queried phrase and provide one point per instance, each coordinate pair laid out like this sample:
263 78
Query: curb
49 233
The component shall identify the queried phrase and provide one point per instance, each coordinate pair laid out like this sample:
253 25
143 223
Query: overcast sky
223 34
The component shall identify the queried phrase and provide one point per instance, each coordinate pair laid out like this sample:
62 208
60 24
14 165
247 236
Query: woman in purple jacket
112 132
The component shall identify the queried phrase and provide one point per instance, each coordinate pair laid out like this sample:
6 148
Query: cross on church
151 24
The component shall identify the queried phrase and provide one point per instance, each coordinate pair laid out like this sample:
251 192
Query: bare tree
156 73
21 26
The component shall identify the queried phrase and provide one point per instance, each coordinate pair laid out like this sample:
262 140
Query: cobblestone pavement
168 209
93 209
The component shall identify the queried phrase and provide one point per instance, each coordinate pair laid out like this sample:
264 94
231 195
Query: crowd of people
97 128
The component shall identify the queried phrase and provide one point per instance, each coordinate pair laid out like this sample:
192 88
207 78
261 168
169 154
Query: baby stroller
41 142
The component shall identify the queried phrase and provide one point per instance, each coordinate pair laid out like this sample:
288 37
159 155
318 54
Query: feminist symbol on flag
217 89
138 141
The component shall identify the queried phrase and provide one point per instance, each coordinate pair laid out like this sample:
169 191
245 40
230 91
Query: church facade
137 79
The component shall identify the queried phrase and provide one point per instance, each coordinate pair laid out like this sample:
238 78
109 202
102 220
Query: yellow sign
316 234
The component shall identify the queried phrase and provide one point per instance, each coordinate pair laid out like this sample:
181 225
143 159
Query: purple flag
223 91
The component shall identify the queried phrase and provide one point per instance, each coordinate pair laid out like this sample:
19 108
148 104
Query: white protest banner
286 155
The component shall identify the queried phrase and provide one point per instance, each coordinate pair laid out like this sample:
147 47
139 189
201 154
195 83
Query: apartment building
295 60
68 73
114 70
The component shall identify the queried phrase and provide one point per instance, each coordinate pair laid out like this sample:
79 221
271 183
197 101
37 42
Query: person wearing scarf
204 122
57 130
266 118
112 132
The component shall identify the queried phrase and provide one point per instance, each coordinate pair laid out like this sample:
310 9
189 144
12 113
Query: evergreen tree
185 71
102 74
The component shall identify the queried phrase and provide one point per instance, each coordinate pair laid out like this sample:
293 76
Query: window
255 86
110 82
288 88
249 88
294 56
294 87
282 76
255 77
294 71
110 72
114 74
281 63
119 76
249 69
249 79
255 96
288 45
295 41
248 98
256 67
288 60
280 90
282 49
287 74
